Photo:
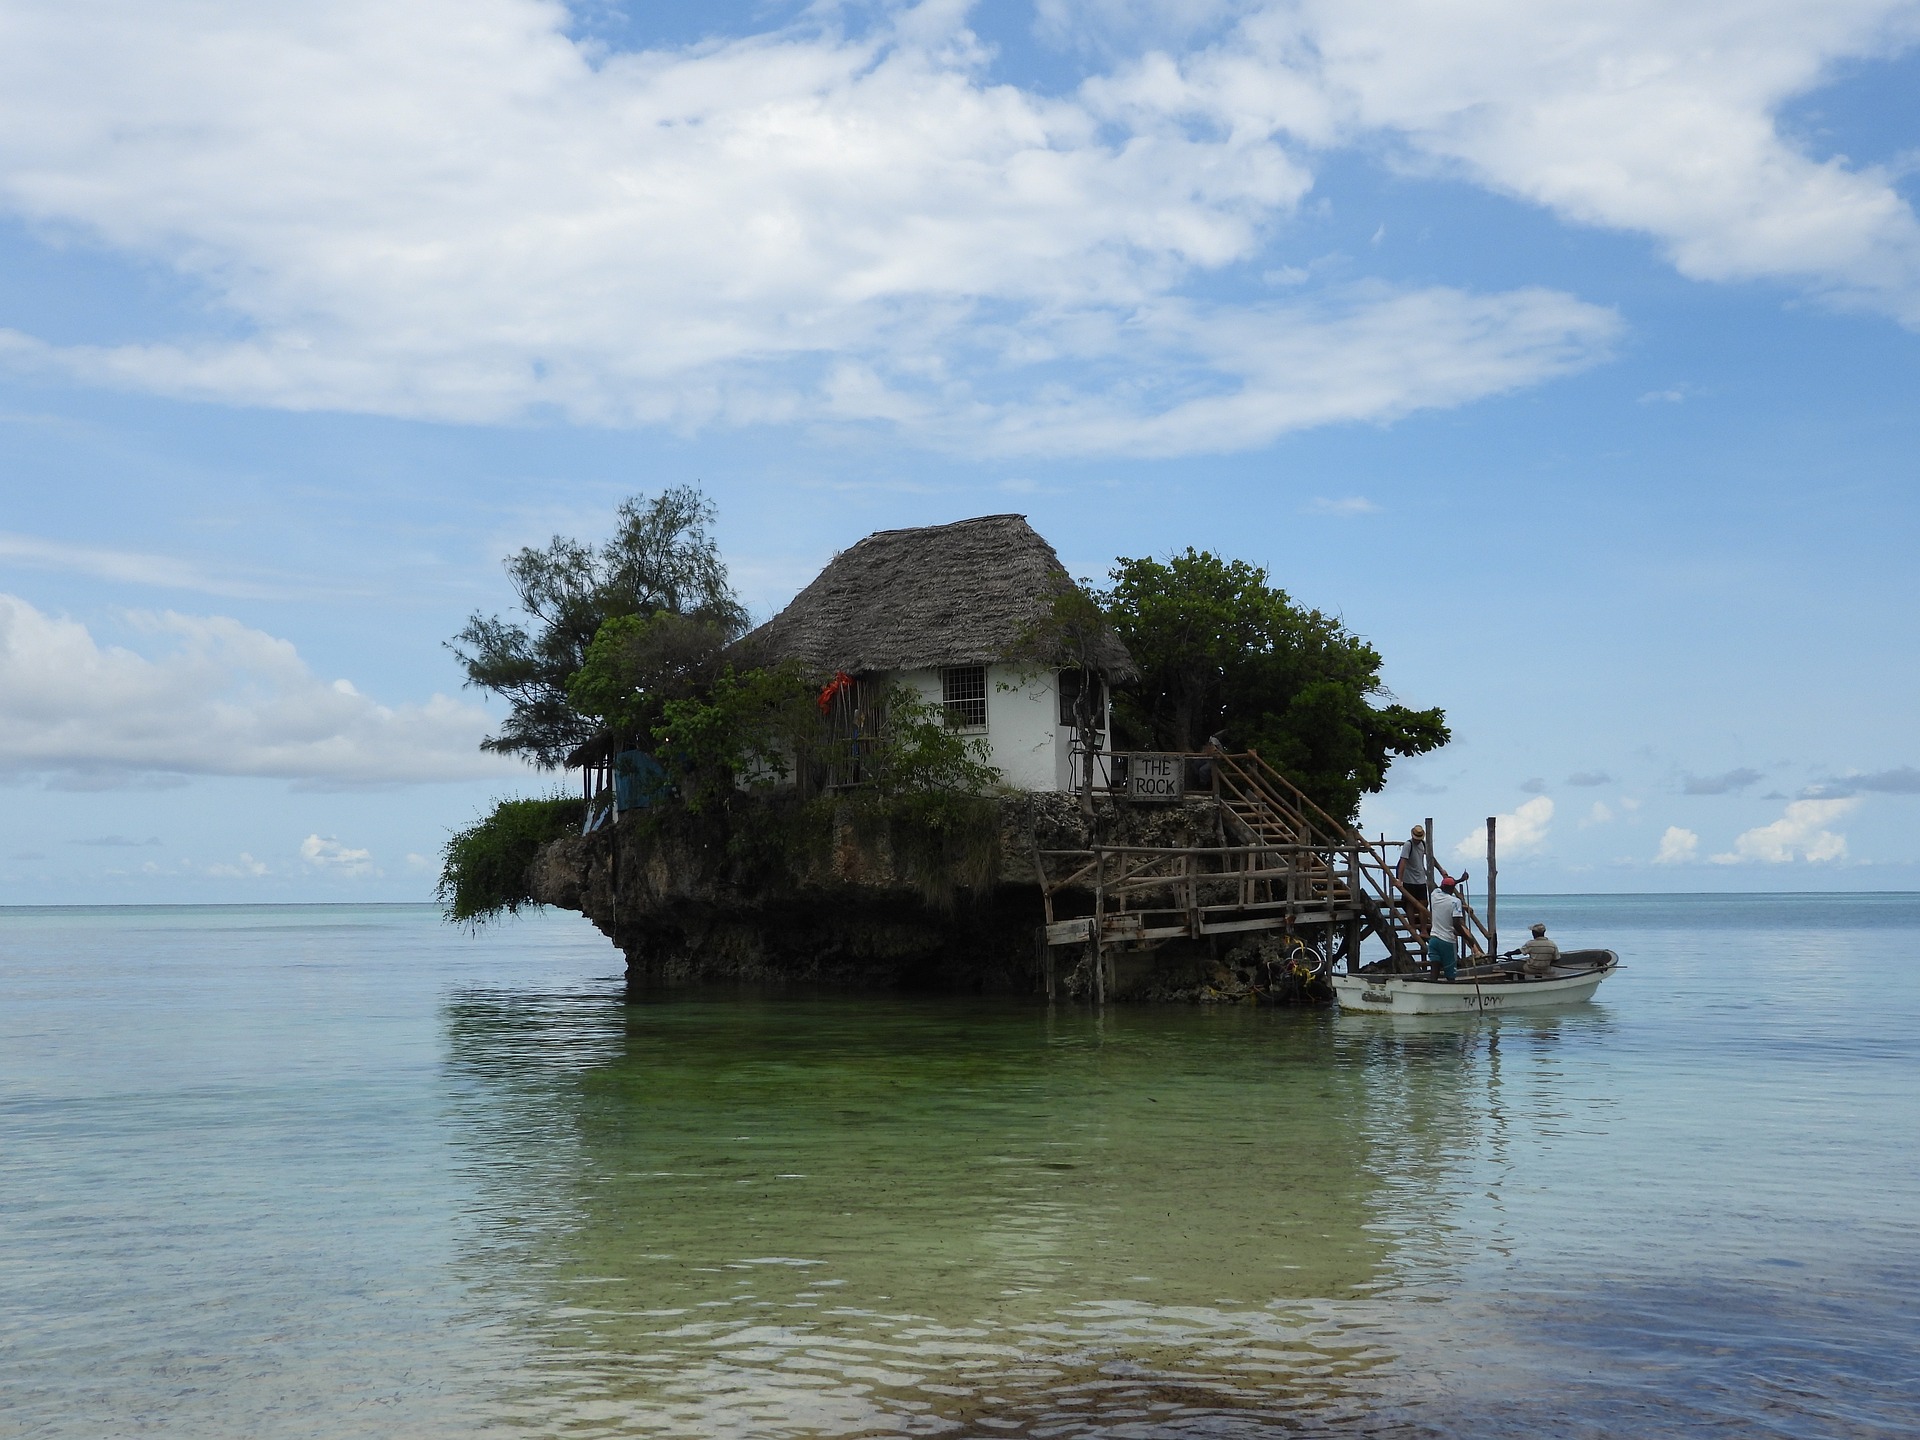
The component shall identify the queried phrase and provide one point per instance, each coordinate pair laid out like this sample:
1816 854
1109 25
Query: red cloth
840 682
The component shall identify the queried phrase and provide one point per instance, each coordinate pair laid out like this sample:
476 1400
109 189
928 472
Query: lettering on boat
1377 997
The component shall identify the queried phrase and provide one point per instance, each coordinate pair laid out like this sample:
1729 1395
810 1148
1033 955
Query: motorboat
1500 984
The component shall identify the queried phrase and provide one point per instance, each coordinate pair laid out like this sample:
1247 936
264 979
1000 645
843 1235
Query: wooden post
1099 924
1189 866
1493 892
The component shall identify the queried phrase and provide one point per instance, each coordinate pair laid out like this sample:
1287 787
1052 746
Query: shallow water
343 1171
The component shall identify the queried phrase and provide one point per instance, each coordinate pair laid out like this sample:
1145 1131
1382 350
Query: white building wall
1025 741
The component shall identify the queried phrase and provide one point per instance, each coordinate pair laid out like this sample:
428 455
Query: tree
748 727
1220 651
639 664
661 560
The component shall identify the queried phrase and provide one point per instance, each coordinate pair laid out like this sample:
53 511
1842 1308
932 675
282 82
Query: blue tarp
637 780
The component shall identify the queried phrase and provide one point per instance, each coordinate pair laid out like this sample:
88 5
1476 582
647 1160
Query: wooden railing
1248 778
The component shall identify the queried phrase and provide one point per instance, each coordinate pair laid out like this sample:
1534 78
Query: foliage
924 790
639 664
920 755
1221 651
929 797
757 728
748 726
483 871
661 560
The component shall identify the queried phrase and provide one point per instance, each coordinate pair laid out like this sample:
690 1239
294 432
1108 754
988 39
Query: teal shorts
1442 953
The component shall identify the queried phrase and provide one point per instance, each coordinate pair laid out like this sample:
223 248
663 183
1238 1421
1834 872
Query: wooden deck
1292 868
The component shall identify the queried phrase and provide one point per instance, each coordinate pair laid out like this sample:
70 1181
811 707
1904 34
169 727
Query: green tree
661 560
751 726
1220 651
639 664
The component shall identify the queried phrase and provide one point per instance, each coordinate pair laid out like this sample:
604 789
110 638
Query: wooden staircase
1284 865
1266 808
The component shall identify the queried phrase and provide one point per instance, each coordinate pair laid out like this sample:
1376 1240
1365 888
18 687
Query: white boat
1501 985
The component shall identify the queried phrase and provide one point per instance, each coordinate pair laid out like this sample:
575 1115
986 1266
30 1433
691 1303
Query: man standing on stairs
1415 873
1449 927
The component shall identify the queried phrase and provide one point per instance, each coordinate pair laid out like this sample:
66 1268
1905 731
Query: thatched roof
969 593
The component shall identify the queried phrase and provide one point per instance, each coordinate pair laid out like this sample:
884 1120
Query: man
1540 952
1415 871
1448 928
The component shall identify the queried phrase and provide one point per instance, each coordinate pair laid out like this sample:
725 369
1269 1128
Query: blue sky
1570 352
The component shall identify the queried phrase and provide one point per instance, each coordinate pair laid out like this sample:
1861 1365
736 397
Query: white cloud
1799 834
1628 114
450 209
453 209
329 854
1352 505
1677 847
1520 833
217 698
1598 814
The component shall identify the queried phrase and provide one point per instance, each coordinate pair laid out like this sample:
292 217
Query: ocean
345 1171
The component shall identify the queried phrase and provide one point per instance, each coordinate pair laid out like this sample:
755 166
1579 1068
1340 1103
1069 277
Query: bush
483 871
923 792
745 729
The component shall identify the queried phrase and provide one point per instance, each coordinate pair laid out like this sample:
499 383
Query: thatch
970 593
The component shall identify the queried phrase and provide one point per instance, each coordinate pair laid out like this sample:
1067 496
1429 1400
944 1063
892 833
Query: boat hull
1419 995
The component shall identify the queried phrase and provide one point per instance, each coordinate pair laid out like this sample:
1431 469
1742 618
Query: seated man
1540 952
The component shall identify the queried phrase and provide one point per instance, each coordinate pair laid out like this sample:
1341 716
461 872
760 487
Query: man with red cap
1449 927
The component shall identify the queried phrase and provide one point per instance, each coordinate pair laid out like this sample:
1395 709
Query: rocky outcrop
776 893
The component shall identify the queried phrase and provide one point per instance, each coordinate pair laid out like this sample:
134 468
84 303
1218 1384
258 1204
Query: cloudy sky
1570 350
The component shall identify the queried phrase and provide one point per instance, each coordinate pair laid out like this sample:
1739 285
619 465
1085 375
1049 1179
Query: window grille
963 694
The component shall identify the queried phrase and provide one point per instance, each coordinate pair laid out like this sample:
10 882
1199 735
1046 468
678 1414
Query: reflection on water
803 1217
747 1216
306 1172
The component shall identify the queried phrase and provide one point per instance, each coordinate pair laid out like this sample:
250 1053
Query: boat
1495 985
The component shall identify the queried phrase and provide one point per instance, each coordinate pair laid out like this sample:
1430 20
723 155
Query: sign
1152 776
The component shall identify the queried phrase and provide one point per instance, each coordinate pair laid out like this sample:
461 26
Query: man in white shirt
1449 924
1540 952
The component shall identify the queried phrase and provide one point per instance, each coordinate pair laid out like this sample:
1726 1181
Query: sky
1569 351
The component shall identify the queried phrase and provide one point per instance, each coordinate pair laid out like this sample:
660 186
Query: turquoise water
338 1171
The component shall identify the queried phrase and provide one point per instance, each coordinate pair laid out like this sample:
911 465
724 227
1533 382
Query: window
1071 683
963 693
